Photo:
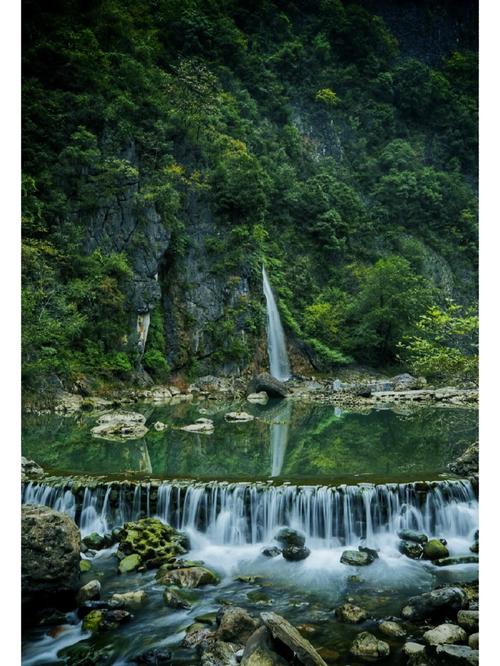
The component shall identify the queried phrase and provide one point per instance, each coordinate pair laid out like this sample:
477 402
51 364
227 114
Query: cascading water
245 513
278 357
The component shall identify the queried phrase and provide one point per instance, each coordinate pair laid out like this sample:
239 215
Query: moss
435 550
93 621
129 563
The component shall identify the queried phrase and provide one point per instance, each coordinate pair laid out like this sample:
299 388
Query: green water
286 441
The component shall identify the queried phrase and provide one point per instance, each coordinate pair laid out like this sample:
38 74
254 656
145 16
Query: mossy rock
435 550
85 566
129 563
154 542
190 577
93 621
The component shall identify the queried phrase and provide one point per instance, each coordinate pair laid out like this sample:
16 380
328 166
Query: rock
373 552
475 547
295 553
236 625
201 425
411 649
238 417
50 556
173 599
356 558
159 426
287 536
85 566
197 635
93 621
89 592
96 541
391 629
435 550
474 641
405 382
367 647
283 632
412 535
132 600
271 551
129 563
259 650
120 425
468 463
411 549
457 654
260 398
155 657
445 633
219 653
265 382
187 577
153 541
29 470
468 620
436 604
463 559
351 614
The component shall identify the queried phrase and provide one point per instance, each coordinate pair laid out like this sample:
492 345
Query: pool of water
286 441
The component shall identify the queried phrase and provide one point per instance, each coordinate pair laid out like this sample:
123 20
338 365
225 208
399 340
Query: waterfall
278 357
250 513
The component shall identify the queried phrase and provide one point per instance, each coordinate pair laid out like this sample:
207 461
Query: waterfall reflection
278 432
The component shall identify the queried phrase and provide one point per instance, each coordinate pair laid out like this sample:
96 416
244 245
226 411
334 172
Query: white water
279 437
276 346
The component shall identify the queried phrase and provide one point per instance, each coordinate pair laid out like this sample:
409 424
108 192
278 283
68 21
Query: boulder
202 425
120 425
50 556
238 417
351 613
445 633
295 553
187 577
131 600
97 541
356 558
412 535
271 551
411 649
461 655
468 463
89 592
196 636
367 647
259 650
474 641
260 398
236 625
391 629
265 382
468 620
219 653
411 549
173 599
444 602
435 550
284 633
287 536
150 539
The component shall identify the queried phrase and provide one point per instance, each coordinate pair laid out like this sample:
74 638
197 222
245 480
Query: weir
276 346
246 513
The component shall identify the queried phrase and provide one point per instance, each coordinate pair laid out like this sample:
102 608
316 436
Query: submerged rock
445 633
351 613
265 382
461 655
236 625
120 425
438 603
435 550
187 577
356 558
283 632
368 647
287 536
391 629
412 535
50 556
155 657
173 599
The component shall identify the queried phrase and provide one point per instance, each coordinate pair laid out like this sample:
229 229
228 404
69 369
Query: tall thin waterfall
278 357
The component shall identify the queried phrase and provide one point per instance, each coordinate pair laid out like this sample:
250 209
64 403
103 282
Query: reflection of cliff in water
278 433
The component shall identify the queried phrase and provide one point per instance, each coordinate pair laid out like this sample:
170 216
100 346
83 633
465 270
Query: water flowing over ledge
245 513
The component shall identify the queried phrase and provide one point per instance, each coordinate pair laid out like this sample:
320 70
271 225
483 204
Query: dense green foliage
319 146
